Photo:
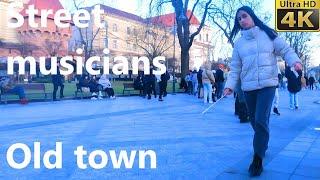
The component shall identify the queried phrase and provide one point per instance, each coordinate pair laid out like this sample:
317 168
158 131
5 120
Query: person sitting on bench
105 85
94 87
8 85
83 82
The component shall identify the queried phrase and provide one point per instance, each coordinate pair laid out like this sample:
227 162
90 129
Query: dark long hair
272 34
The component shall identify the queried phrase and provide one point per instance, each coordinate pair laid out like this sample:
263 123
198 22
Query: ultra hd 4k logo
297 15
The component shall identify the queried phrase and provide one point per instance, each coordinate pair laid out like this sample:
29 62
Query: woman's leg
296 105
291 96
210 93
205 92
251 101
263 107
259 104
54 93
195 87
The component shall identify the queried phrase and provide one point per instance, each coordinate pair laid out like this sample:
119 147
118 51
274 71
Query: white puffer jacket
254 61
104 82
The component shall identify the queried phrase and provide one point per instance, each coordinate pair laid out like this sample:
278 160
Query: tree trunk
184 62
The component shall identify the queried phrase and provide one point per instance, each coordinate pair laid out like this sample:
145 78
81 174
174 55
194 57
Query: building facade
29 41
129 35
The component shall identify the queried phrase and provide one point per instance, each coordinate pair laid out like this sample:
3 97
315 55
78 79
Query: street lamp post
174 58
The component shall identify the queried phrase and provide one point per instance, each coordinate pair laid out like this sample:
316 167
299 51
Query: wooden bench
35 88
79 91
128 87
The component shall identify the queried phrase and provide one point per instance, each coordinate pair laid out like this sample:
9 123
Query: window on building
128 30
115 44
106 27
135 31
207 38
106 42
134 46
199 37
114 28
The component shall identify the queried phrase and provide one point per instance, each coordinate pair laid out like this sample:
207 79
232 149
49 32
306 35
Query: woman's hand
297 66
227 91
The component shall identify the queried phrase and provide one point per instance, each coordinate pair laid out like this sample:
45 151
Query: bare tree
53 46
183 21
153 39
222 14
299 42
86 35
25 47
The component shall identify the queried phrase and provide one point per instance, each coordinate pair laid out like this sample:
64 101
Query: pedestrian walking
254 64
311 82
163 85
219 80
294 85
57 81
207 81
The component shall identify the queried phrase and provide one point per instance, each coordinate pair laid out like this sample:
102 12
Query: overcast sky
140 8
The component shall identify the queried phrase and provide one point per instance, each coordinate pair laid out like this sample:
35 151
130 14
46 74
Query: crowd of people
206 83
150 84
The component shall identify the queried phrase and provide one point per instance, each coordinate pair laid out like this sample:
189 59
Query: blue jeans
293 100
195 87
259 104
207 92
18 90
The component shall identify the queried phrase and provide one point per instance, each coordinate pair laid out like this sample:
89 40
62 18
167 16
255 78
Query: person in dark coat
163 85
294 85
311 82
57 81
84 81
200 85
138 83
219 81
149 84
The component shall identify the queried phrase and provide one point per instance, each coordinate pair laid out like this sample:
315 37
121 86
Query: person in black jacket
311 82
200 85
294 85
57 81
138 83
149 84
219 81
163 85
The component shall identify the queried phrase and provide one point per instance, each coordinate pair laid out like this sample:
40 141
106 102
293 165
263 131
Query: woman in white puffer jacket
254 65
105 85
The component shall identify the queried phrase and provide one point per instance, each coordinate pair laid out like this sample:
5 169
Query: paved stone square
188 145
